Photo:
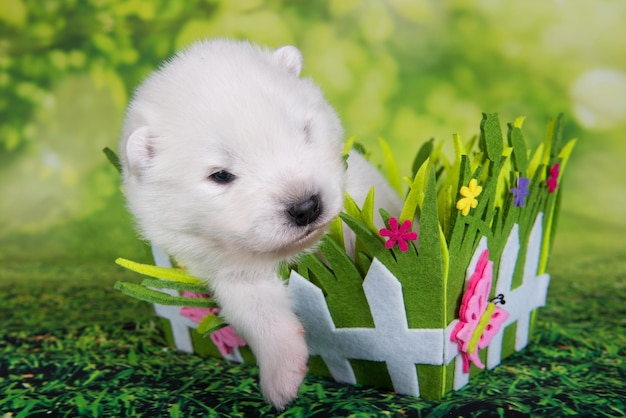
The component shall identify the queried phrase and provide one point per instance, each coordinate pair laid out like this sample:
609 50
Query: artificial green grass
72 346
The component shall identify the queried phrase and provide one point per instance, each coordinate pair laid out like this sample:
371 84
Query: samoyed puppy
232 163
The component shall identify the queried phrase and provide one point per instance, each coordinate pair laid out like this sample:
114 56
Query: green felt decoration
391 166
350 144
165 273
516 141
508 341
535 162
352 208
424 153
367 211
154 296
371 373
372 242
166 326
422 280
336 230
432 272
210 324
416 192
169 284
491 136
203 345
318 367
113 158
312 268
346 299
284 270
431 381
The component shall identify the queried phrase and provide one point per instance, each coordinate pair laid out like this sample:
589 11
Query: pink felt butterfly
480 318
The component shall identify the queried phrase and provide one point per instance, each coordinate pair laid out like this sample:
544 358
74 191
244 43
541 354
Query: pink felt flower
480 319
554 176
398 234
225 339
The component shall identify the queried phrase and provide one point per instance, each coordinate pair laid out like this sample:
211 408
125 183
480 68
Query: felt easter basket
419 314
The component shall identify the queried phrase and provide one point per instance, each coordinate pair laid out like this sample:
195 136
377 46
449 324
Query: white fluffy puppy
232 163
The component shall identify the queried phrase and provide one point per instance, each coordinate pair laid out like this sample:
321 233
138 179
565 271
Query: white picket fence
391 340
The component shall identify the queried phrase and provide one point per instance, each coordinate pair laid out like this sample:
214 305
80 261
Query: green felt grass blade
371 241
471 143
553 139
535 162
503 184
351 207
342 266
448 190
113 158
154 296
391 166
314 270
553 207
565 153
516 141
169 284
352 145
284 270
336 231
210 324
421 276
349 145
165 273
557 135
346 299
491 136
367 211
424 153
415 196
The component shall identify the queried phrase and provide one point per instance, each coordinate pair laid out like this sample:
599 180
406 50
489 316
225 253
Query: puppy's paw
283 372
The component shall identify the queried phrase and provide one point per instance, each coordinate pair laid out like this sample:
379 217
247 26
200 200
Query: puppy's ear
140 149
290 58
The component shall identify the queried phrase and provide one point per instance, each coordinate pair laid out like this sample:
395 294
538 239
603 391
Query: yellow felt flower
469 194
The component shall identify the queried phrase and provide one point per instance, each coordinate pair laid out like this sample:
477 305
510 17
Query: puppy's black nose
306 212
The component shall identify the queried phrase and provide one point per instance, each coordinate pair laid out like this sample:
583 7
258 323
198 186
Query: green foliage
47 41
402 70
89 351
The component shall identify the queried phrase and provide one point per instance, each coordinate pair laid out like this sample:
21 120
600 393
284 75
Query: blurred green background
404 70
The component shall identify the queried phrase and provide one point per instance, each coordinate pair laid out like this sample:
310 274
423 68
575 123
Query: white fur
232 106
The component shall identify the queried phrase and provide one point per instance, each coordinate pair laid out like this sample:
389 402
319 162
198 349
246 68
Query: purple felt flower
398 234
554 176
521 191
480 318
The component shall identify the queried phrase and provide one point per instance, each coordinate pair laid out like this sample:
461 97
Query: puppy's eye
222 177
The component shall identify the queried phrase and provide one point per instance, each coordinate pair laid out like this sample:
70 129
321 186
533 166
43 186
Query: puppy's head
228 154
